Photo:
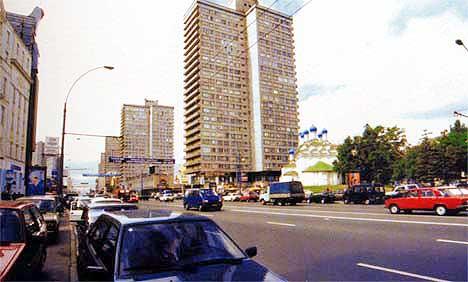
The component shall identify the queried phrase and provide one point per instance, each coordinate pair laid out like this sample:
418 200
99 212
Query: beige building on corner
111 149
241 104
147 131
15 85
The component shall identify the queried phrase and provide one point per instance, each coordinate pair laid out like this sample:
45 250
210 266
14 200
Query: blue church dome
291 151
320 135
313 129
324 131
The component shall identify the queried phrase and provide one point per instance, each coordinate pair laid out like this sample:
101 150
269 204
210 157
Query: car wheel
200 208
346 201
367 202
441 210
322 201
186 207
394 209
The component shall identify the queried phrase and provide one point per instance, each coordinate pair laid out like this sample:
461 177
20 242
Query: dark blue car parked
202 199
160 245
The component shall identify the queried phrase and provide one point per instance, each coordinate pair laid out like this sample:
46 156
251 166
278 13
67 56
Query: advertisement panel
353 178
51 146
36 181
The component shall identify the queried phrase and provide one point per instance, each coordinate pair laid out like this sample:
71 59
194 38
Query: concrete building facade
26 26
39 158
15 86
241 104
147 131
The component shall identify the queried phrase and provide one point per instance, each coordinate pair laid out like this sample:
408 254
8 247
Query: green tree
374 154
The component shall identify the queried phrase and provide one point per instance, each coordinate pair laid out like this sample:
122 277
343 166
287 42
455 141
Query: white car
167 197
93 211
401 189
105 201
232 197
76 210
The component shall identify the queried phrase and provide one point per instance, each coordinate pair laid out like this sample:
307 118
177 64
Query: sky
386 62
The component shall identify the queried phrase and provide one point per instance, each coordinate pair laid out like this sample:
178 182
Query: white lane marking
311 210
355 218
279 223
329 211
401 272
451 241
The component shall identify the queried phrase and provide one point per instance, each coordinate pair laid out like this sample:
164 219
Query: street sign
101 174
140 160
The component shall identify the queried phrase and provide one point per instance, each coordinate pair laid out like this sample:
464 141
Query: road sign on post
139 160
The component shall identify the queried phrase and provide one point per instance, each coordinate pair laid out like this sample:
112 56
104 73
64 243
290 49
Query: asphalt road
346 242
57 264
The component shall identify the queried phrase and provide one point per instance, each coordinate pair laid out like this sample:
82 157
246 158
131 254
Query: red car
133 198
427 199
249 197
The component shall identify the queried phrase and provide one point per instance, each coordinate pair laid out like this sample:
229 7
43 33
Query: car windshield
44 205
11 226
207 192
159 247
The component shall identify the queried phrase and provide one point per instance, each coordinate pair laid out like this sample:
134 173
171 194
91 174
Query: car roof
17 205
38 197
152 216
98 205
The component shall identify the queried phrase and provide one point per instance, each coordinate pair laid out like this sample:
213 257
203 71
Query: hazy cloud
309 90
444 111
413 9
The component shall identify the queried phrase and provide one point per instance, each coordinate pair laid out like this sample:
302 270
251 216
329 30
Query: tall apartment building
26 26
15 86
39 158
112 149
147 131
241 104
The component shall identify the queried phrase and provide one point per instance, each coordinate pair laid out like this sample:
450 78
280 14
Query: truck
282 193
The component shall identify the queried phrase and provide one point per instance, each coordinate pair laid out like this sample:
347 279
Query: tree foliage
382 154
373 154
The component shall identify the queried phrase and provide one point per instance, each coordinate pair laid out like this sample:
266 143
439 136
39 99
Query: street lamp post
62 149
460 42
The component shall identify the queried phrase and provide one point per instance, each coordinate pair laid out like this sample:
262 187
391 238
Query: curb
72 266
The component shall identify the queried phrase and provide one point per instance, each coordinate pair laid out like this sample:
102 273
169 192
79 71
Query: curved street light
460 42
62 149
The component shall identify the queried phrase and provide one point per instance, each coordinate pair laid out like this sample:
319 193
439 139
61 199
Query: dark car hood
248 270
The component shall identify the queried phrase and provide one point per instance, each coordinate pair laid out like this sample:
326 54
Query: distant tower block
245 5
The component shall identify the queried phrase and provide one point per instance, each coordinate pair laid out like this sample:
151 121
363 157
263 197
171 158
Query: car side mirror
95 269
251 252
38 238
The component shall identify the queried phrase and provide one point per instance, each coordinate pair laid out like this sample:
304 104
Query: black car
141 245
50 209
22 227
365 194
326 197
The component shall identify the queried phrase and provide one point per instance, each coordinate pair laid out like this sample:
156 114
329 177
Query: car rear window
10 226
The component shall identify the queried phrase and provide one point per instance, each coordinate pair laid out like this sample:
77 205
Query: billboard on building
36 181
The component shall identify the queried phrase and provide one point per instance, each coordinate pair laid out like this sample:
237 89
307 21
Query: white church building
312 162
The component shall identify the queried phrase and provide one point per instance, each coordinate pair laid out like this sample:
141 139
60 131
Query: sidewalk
57 266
